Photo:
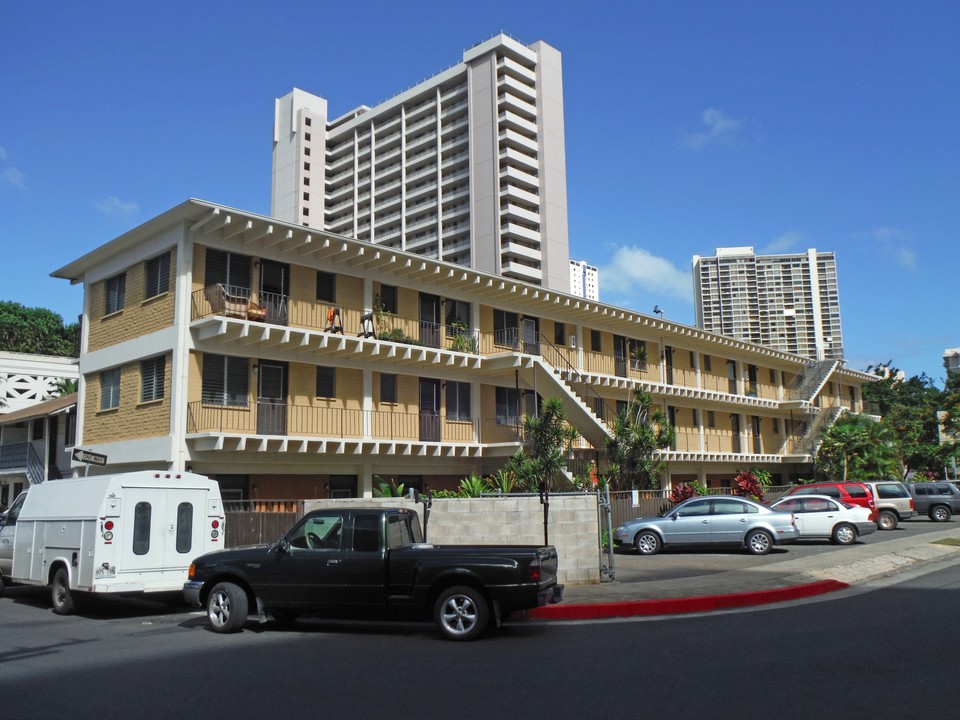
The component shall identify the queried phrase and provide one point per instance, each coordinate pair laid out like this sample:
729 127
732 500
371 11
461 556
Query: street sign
91 458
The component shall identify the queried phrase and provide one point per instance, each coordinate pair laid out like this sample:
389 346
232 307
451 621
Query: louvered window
458 317
151 378
326 287
458 401
228 269
226 381
326 382
157 275
506 328
116 293
110 389
508 406
388 388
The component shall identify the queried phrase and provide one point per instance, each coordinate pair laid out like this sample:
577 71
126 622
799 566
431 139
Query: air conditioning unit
572 342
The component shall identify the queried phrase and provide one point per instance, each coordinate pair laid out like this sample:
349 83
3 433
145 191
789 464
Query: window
320 532
157 278
711 419
388 388
231 270
776 425
36 429
70 431
559 334
696 418
706 363
458 317
116 291
151 378
184 528
326 287
693 359
508 406
141 528
773 376
306 136
226 381
595 344
506 328
306 166
458 400
366 533
110 389
307 122
388 298
306 211
306 196
326 382
306 181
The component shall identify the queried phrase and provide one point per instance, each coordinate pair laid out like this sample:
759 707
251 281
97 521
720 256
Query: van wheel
888 520
844 534
227 608
461 613
60 594
940 513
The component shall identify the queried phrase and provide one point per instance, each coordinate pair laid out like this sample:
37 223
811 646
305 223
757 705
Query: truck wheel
940 513
888 520
227 608
60 593
461 613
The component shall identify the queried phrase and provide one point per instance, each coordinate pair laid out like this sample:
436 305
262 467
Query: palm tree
640 431
857 448
64 386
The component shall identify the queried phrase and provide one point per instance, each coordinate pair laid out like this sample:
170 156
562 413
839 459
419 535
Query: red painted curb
673 606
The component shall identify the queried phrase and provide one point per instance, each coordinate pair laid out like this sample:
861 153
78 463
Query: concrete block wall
510 520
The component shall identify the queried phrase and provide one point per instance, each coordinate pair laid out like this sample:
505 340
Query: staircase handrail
591 393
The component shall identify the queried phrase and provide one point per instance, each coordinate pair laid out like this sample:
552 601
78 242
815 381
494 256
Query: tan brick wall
139 316
132 419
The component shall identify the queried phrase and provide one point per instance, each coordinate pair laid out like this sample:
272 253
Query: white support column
365 480
366 382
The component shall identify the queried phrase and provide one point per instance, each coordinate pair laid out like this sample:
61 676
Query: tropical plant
36 331
685 491
387 488
638 354
503 481
65 386
857 448
547 442
461 340
746 484
473 486
640 432
763 477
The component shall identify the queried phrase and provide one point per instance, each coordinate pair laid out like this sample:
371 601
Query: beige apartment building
289 362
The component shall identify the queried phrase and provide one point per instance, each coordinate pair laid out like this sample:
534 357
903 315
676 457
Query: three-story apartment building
289 362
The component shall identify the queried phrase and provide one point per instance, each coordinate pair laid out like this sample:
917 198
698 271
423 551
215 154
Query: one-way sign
91 458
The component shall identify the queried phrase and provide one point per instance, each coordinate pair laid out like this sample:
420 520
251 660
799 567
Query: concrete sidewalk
631 594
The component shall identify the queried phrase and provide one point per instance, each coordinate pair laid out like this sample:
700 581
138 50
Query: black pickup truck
372 562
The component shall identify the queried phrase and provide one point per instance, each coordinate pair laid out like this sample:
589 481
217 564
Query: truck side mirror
283 544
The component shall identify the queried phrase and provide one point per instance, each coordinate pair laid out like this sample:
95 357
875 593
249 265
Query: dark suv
940 499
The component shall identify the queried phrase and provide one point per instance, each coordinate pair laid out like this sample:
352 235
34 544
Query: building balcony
525 90
509 65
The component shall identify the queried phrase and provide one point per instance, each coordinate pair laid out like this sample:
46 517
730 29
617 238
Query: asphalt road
850 654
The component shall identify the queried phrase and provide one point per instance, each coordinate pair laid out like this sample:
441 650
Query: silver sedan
719 520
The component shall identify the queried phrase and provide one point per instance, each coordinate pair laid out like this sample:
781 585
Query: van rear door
161 529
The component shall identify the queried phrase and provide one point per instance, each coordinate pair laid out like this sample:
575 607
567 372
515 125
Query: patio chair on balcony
334 320
233 305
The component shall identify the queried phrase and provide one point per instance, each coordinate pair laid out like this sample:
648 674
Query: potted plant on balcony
638 355
461 340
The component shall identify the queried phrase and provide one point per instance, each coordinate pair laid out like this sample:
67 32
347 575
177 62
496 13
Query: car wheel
461 613
647 542
888 520
60 593
227 608
759 542
940 513
844 534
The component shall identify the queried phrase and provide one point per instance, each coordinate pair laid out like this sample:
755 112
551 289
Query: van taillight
214 530
108 525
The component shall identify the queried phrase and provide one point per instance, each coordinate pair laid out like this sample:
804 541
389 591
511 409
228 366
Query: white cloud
633 270
14 177
784 243
112 205
721 129
893 243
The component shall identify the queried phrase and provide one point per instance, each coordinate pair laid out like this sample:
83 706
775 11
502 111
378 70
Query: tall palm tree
640 431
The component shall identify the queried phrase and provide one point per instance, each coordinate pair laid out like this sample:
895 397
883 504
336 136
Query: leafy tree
36 331
640 431
685 491
858 448
547 442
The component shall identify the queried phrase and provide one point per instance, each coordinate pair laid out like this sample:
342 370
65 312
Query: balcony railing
278 418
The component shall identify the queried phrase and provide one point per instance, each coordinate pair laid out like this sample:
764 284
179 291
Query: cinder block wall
509 520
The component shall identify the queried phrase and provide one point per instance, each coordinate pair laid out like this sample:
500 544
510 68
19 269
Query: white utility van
130 532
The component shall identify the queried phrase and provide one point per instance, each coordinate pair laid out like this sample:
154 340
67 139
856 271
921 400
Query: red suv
853 493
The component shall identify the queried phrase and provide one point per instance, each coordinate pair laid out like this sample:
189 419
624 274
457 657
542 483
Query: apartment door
735 432
668 363
731 377
430 320
757 438
620 355
429 410
272 398
530 331
752 384
275 290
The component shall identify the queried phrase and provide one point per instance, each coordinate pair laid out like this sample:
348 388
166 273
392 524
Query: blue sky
689 126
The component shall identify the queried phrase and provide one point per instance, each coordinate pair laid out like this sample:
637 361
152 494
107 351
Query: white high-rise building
467 167
786 302
584 280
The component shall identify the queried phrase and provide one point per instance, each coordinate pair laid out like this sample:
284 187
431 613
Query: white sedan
823 517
